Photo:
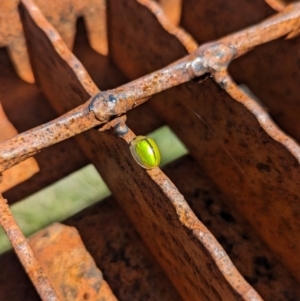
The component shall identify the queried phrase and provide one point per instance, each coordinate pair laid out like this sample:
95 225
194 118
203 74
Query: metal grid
264 161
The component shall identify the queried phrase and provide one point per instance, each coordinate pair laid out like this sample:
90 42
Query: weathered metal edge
226 82
193 224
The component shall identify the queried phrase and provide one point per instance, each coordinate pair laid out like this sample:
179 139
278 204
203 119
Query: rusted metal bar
68 264
244 153
275 83
121 254
209 21
172 9
25 254
248 252
264 119
206 59
11 36
170 229
285 23
186 39
29 143
36 110
62 18
75 277
202 270
20 172
278 5
113 243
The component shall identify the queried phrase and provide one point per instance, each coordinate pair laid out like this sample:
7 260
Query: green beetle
145 152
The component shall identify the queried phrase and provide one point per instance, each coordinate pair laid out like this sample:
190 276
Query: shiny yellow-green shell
145 152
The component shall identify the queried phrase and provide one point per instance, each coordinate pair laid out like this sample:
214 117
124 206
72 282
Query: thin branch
208 58
25 254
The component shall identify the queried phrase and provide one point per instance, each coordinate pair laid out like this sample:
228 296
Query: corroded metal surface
172 9
201 269
278 5
20 172
11 36
210 58
17 96
249 254
162 16
118 250
194 261
69 266
120 253
274 82
142 119
63 15
25 254
204 15
30 143
50 133
167 225
257 170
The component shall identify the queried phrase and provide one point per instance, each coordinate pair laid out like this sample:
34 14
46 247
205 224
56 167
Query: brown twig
208 58
25 254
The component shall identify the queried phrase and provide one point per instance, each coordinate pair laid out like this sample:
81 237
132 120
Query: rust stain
70 268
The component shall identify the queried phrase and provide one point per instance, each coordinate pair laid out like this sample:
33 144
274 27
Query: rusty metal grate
219 224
